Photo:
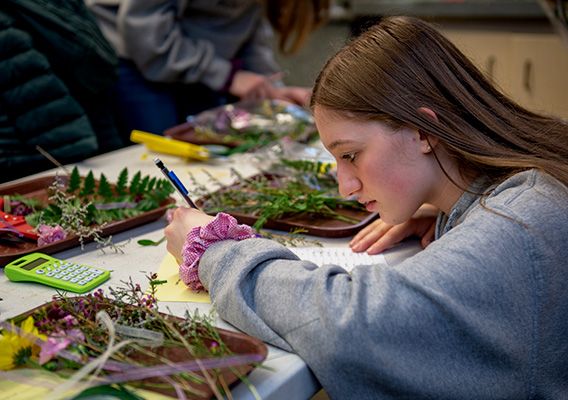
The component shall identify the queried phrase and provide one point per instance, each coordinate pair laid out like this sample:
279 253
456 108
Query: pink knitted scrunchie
223 227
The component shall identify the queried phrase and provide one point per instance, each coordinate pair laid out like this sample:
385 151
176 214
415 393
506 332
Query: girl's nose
349 184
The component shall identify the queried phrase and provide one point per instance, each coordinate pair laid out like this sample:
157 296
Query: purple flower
58 342
19 208
50 234
70 320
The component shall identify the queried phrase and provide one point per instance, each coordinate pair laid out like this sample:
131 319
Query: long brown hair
403 63
295 20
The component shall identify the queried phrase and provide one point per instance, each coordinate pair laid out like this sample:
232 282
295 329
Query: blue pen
175 182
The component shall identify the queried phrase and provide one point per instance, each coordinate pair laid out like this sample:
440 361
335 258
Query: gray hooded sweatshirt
481 313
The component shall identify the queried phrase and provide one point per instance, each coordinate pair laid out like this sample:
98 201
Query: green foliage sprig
85 205
303 188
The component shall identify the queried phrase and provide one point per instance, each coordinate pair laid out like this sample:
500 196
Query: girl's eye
350 157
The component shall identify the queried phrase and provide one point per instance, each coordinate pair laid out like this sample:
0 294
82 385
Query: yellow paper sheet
175 289
33 384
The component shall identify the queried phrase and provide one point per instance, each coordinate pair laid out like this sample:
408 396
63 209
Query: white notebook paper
342 256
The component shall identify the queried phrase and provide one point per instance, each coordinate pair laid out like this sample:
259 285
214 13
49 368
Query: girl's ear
428 141
429 112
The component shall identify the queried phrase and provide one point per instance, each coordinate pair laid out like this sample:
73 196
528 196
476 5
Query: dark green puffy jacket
55 68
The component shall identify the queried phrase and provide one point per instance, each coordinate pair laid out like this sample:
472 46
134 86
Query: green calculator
65 275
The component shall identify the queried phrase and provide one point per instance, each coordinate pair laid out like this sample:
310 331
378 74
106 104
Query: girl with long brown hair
480 313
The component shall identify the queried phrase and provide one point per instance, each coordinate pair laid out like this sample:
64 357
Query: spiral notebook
342 256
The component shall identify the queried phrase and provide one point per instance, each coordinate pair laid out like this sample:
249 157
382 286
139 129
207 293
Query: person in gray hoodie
480 312
181 57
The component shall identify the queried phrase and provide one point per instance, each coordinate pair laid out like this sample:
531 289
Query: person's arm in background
258 56
155 41
293 21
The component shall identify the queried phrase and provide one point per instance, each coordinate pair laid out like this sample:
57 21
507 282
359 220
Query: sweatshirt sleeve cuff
223 227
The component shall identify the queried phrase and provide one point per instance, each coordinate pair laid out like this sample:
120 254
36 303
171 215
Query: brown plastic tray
315 225
36 188
238 343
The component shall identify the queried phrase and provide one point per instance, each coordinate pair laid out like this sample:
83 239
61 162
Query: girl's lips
370 205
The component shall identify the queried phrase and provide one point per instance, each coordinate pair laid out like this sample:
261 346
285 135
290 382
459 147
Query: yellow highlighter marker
167 145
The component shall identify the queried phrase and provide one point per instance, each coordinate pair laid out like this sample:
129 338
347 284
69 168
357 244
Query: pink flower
58 342
70 320
50 234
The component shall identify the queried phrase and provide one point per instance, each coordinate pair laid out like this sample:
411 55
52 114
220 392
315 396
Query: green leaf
148 242
99 218
74 180
144 184
162 190
91 209
108 393
53 209
122 183
151 184
148 203
105 190
88 185
135 183
33 219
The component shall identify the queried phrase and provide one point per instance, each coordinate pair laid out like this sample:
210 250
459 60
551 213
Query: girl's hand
184 219
378 236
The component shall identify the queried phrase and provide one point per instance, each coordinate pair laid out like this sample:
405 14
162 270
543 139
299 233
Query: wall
304 66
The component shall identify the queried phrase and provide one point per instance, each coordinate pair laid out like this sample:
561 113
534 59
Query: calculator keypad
70 272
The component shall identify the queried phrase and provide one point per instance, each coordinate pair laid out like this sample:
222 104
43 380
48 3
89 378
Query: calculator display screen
32 264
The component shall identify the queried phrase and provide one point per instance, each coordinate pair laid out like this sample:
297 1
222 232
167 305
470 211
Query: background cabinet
540 73
532 68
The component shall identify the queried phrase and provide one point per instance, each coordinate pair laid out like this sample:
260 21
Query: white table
287 376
